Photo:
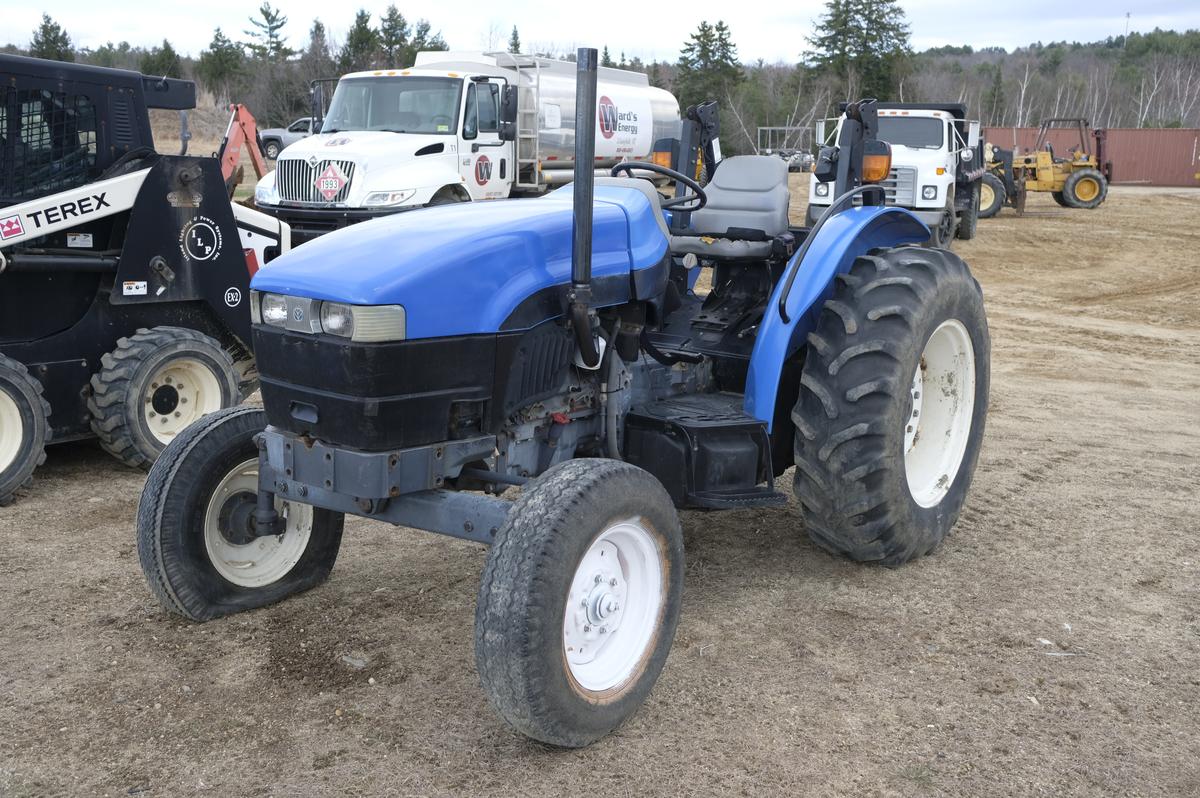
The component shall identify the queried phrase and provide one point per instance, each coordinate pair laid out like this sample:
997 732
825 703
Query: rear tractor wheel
1086 188
24 427
992 196
196 535
892 405
579 600
156 383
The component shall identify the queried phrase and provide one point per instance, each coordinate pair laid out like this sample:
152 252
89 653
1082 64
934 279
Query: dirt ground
1051 647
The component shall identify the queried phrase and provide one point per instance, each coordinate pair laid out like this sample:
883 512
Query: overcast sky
772 31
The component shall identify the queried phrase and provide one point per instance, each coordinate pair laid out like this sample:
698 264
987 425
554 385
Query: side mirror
508 114
973 135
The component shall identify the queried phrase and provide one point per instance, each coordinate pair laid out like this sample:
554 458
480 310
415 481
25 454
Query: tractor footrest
704 450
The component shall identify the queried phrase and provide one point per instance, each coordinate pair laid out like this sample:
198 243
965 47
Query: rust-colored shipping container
1152 156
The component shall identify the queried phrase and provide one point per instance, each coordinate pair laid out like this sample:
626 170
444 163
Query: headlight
378 199
968 155
363 323
265 192
929 192
337 319
274 310
822 190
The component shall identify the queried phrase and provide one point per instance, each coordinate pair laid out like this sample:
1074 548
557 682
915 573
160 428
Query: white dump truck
937 166
456 127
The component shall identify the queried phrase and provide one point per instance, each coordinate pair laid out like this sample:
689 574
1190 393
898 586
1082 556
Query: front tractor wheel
893 399
1086 188
579 600
196 534
24 427
153 385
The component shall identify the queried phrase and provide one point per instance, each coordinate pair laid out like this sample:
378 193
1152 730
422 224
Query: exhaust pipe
584 190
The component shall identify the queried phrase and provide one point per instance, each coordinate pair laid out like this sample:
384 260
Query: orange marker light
941 170
877 161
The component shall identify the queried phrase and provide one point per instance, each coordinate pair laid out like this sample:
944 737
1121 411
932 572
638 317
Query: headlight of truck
363 323
929 192
274 310
265 192
822 190
380 199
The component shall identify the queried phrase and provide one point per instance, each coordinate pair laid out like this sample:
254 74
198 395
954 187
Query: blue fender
840 240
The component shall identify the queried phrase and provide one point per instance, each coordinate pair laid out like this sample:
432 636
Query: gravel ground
1049 648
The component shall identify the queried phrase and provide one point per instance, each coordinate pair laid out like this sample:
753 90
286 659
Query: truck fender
838 243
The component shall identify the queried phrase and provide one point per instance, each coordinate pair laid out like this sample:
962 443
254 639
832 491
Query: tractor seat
747 211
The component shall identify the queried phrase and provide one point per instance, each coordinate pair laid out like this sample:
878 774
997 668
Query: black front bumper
309 223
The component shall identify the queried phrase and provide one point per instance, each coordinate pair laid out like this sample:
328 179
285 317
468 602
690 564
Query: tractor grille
296 181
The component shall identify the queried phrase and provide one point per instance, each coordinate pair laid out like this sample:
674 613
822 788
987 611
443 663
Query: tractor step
704 450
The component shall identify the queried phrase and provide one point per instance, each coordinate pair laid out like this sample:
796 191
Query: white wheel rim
179 392
614 606
943 397
12 431
264 560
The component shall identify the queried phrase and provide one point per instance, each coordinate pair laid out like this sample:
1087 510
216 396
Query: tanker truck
456 127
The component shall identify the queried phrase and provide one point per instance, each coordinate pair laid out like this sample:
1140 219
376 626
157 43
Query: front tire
271 150
24 427
579 601
194 527
892 405
1085 189
153 385
992 196
968 221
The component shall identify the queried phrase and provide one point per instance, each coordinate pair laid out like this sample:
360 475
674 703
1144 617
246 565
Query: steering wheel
697 195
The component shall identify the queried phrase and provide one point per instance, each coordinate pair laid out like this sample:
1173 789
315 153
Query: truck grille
296 181
901 187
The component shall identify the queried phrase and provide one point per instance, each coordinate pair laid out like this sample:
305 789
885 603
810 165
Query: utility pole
1125 41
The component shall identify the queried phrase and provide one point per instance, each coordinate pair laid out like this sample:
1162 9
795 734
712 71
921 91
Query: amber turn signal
877 161
661 158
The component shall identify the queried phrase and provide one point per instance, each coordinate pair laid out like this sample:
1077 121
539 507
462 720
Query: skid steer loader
417 367
124 274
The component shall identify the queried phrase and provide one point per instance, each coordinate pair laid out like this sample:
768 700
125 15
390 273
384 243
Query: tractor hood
469 268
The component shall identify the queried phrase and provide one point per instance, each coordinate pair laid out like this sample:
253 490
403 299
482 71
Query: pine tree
362 44
317 59
120 56
422 39
514 41
51 41
606 59
266 37
708 67
862 42
393 36
162 62
220 66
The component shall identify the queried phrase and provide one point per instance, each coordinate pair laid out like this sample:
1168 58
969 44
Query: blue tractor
416 368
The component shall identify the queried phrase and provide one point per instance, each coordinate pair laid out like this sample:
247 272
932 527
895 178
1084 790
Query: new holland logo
607 112
483 170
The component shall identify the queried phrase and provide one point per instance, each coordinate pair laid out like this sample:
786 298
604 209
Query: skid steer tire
892 405
579 600
153 385
992 196
24 428
1085 189
198 561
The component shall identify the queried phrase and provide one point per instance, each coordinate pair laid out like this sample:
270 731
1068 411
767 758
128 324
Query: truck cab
937 165
456 127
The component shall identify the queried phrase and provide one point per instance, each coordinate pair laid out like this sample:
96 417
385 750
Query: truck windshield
398 105
912 131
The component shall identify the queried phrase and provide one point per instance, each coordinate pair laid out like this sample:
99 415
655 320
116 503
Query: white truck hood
381 161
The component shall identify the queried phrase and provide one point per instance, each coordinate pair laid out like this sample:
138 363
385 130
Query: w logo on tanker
483 170
607 112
